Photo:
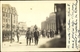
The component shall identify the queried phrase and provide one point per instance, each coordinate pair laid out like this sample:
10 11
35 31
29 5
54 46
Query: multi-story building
50 22
14 20
6 18
9 20
43 25
22 28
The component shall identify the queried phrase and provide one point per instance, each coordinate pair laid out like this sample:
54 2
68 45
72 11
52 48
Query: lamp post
11 28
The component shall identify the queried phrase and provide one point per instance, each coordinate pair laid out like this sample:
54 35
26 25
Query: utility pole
11 28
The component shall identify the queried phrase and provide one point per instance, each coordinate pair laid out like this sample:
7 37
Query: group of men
48 33
32 35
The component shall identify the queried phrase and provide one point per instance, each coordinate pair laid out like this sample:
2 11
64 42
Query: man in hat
17 35
36 36
28 36
51 33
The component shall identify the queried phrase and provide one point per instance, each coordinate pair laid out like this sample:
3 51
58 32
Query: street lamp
11 28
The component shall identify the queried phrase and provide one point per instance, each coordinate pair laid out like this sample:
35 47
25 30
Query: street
7 46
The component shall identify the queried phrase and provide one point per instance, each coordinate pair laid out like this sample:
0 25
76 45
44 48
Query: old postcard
40 26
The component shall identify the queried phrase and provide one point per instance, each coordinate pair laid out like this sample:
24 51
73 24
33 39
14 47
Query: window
6 14
3 9
14 21
6 20
9 15
3 25
13 26
9 20
3 14
14 16
7 26
3 19
6 10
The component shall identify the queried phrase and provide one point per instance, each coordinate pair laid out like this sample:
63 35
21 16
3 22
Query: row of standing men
30 35
35 34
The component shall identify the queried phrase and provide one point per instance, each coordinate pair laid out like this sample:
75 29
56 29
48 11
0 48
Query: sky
39 12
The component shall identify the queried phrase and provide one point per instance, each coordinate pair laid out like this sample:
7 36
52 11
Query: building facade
14 21
22 28
43 25
50 22
9 20
6 18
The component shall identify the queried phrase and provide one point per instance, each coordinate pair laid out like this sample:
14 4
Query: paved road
7 46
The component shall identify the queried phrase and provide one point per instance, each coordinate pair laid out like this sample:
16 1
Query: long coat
28 34
36 34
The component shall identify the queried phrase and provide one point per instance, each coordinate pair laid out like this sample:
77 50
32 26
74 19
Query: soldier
51 33
43 33
17 35
36 36
28 36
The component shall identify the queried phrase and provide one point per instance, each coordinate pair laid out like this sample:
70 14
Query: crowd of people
48 33
33 35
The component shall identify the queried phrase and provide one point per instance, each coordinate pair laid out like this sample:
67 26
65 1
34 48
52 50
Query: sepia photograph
49 51
33 25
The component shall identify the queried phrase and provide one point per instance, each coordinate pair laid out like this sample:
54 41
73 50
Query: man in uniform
28 36
36 36
51 33
17 35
